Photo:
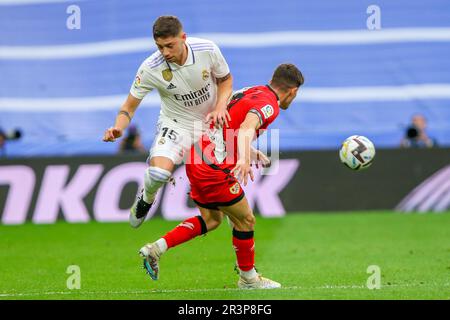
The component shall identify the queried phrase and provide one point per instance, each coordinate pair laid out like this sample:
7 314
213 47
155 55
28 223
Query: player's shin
185 231
154 178
244 246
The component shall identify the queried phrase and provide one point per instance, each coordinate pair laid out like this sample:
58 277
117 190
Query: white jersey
187 92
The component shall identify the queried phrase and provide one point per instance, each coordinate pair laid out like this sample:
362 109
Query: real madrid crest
167 74
205 75
162 141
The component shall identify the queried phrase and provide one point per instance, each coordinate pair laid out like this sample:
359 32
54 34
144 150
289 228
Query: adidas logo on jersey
171 86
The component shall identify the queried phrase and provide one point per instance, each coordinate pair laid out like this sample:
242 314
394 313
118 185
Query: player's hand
260 158
112 134
220 118
242 171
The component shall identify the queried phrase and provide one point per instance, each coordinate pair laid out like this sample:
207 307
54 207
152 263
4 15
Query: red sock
244 245
185 231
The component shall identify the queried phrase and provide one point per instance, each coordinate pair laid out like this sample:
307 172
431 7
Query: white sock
162 244
248 274
149 197
154 178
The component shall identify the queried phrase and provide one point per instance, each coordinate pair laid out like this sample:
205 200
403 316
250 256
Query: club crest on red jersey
235 188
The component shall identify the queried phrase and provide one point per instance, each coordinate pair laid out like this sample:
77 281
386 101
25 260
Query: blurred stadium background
69 83
61 88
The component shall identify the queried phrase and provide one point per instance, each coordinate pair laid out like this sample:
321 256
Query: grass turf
314 256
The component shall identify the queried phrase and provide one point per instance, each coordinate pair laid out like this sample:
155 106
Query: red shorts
212 188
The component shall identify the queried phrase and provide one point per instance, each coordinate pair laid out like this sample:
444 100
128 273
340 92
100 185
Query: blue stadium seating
43 76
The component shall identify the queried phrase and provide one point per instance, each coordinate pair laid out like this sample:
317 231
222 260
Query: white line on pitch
150 291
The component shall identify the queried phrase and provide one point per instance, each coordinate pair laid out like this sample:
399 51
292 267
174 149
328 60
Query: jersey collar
190 60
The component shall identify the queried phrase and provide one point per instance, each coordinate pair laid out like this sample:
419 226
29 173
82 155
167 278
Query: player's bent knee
161 163
246 223
250 220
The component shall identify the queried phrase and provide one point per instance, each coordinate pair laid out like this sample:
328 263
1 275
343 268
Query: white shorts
171 141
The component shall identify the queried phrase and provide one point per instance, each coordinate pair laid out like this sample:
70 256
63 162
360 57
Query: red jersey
219 146
215 155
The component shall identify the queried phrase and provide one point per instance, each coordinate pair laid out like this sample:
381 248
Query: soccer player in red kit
218 163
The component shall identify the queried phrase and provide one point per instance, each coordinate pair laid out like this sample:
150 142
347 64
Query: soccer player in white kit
194 83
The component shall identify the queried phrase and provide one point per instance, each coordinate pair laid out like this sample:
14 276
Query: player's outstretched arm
123 119
246 134
220 115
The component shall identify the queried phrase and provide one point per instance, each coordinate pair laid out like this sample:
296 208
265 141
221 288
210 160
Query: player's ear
294 91
183 36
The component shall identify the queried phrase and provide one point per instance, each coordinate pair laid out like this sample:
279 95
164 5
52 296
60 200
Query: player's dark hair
166 26
287 76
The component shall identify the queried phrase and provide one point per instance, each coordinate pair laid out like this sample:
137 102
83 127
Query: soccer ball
357 152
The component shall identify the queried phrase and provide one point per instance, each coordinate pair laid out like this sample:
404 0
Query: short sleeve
266 113
219 65
142 83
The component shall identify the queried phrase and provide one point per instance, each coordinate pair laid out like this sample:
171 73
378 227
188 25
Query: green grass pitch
314 256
